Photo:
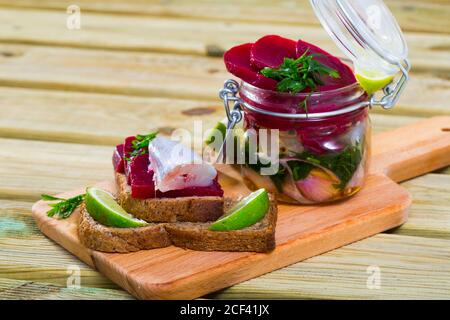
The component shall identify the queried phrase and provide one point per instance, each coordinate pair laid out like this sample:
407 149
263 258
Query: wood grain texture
98 118
11 289
429 16
444 170
160 75
412 150
404 263
301 232
42 115
26 254
429 215
30 168
412 267
185 36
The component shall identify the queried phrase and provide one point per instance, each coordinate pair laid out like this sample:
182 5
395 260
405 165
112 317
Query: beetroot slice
270 51
127 149
117 159
237 62
213 190
141 177
346 74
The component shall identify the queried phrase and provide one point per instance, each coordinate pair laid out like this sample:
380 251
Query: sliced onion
318 186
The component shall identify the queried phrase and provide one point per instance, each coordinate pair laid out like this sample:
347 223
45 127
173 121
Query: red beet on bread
117 159
141 177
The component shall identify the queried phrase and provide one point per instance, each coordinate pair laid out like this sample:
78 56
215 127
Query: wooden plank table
67 96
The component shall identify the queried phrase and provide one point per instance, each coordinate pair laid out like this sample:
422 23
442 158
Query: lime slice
221 127
245 213
373 81
104 209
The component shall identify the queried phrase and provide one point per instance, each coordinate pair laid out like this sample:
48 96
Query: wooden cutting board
301 232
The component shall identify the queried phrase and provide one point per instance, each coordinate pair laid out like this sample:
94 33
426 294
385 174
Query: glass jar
320 158
324 137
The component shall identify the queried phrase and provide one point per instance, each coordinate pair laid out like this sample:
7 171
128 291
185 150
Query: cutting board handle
412 150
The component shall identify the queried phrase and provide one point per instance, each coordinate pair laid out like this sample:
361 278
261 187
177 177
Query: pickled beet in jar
320 159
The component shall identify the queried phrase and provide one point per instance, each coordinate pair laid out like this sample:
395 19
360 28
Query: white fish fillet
178 167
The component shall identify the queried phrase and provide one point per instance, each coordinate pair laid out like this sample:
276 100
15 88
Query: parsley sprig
296 75
61 207
140 144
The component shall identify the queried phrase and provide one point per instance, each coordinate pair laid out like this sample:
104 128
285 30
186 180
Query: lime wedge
104 209
221 127
373 81
245 213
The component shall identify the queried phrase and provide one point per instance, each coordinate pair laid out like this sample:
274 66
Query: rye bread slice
259 237
190 209
108 239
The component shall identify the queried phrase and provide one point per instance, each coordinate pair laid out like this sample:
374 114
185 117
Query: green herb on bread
140 144
62 208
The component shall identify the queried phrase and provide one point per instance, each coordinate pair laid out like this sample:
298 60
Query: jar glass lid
366 31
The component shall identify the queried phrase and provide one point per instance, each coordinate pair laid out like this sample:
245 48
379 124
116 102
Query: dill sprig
61 207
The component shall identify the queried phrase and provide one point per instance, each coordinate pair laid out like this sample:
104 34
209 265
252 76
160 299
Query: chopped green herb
300 170
343 164
63 208
140 144
47 197
304 103
296 75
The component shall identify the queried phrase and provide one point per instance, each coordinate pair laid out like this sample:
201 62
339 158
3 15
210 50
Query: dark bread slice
108 239
259 237
191 209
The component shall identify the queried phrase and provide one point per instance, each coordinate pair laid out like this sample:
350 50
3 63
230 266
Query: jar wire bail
229 94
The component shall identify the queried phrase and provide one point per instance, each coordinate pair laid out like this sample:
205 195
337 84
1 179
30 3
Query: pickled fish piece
178 167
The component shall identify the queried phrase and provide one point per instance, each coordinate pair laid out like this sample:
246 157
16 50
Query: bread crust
191 209
259 237
108 239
